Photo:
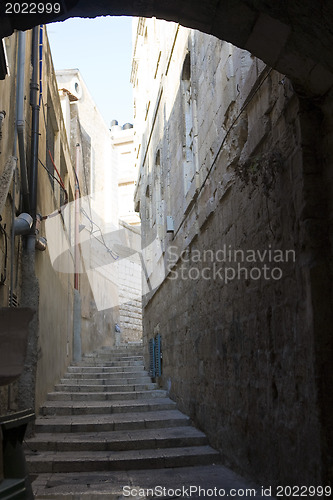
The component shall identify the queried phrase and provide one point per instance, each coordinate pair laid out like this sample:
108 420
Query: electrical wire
54 177
232 126
84 170
77 181
4 274
62 185
43 107
55 168
61 182
225 138
59 211
102 241
51 158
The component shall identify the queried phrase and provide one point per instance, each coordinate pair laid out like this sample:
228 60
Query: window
50 142
92 173
64 177
51 133
188 163
158 196
147 204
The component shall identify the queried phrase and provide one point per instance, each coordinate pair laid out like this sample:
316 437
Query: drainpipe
20 119
30 290
77 220
19 137
34 101
2 117
77 347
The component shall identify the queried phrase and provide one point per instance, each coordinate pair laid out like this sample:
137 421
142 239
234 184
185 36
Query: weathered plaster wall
43 285
37 283
130 293
98 180
245 358
123 148
7 104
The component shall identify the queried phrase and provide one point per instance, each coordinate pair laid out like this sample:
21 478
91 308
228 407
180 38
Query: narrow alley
166 280
108 431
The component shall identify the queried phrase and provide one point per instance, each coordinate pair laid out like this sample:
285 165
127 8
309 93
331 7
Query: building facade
58 168
33 133
122 138
97 171
130 287
233 265
107 180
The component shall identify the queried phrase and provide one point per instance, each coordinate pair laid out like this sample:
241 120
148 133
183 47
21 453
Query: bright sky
101 49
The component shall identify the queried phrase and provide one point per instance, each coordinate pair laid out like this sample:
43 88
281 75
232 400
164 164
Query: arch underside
296 38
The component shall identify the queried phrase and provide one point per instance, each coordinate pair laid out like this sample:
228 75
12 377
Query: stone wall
7 104
98 180
228 152
130 292
36 282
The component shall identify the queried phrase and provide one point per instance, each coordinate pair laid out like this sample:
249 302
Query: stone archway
296 38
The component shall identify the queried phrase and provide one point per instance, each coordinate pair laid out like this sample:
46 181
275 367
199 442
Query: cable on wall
102 240
3 275
245 105
61 182
55 178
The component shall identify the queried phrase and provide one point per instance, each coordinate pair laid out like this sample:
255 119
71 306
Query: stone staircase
106 415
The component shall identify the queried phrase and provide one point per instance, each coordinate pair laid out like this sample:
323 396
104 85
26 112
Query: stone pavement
134 484
107 431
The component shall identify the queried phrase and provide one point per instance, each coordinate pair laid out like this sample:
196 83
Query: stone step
105 396
107 415
173 437
105 388
115 354
112 422
122 348
103 369
86 461
133 484
102 407
87 379
115 364
118 357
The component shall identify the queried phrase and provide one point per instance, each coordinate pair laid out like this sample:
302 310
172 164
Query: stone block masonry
243 337
130 292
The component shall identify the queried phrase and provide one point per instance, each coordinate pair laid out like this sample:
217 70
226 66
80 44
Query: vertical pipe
34 88
77 220
12 239
20 121
12 244
41 63
12 251
27 386
77 344
2 117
